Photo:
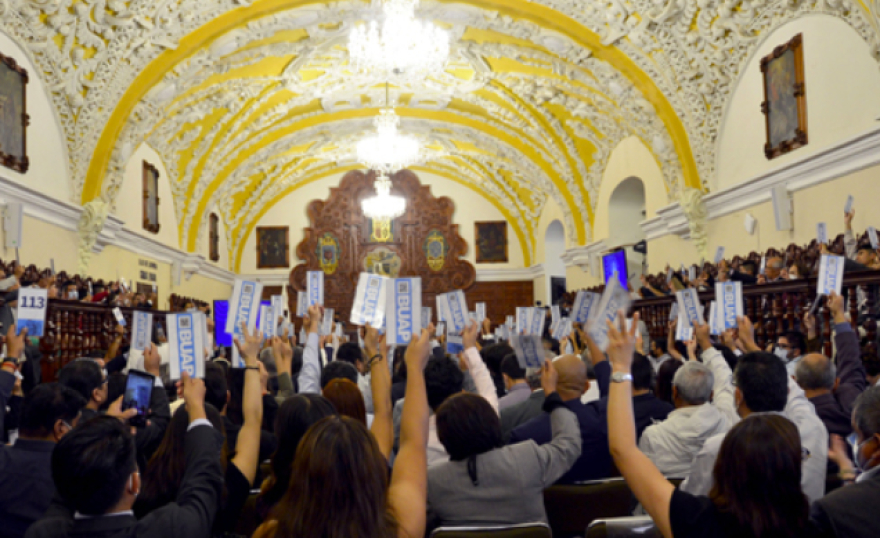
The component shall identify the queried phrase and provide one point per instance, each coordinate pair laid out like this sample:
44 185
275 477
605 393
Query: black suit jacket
191 516
848 512
26 485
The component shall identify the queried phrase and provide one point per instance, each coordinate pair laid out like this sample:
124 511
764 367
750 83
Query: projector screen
221 310
615 262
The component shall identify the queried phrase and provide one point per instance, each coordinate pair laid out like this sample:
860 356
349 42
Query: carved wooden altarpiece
343 242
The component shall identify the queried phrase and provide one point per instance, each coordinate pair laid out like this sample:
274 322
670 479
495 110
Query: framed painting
491 241
13 115
214 237
273 247
151 198
785 98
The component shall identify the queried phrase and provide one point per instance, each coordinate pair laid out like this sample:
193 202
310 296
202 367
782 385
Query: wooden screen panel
340 219
214 238
501 298
269 291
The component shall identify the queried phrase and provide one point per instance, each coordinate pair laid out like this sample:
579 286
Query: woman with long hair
757 491
165 470
341 487
295 416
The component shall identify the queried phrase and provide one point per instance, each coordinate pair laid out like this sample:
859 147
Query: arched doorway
626 211
554 267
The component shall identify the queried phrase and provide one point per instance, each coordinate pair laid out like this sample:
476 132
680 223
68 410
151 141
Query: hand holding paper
621 343
419 350
316 316
152 360
374 343
549 377
249 349
469 336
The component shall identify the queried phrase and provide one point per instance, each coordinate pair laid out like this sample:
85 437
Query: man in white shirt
764 386
703 395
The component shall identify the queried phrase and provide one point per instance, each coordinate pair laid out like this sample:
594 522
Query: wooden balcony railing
74 329
779 307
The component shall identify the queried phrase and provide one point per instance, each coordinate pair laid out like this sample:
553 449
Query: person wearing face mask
791 347
849 511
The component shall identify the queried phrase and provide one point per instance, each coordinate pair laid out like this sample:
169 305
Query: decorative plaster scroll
691 201
91 222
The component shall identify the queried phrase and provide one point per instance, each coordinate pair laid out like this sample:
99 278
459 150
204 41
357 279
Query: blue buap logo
404 312
185 345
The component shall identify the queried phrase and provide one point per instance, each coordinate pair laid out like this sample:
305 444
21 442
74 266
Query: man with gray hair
833 389
704 404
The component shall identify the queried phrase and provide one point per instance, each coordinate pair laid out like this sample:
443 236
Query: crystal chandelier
403 48
388 150
383 206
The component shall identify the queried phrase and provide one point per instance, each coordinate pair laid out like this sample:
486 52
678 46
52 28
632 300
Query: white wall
842 89
130 202
46 150
291 211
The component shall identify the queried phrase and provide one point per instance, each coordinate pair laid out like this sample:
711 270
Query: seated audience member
747 274
347 399
871 364
658 354
772 270
756 492
296 415
665 377
791 347
833 390
797 270
493 355
862 254
95 472
338 370
48 413
486 483
85 377
763 386
648 408
518 389
849 511
703 398
519 414
594 461
341 485
351 353
163 475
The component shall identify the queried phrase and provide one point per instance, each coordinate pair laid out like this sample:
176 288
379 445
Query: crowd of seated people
315 436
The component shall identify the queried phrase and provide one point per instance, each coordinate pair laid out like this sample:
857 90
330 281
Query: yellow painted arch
541 15
527 256
447 117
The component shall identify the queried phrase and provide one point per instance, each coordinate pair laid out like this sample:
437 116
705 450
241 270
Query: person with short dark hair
352 353
647 407
48 413
518 389
85 377
338 370
849 511
763 386
486 483
493 355
791 347
658 353
94 468
516 415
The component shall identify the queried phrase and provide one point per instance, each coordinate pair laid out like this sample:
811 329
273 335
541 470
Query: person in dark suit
85 377
96 475
595 460
849 511
833 390
48 412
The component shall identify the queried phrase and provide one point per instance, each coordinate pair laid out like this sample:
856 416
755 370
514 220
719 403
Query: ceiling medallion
399 47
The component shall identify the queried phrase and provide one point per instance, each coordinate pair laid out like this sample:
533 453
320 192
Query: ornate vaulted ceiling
248 100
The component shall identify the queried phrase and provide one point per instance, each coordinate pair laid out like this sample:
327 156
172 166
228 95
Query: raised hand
15 343
283 353
747 334
549 377
152 360
848 218
316 316
250 348
469 335
621 343
374 343
419 350
192 390
115 410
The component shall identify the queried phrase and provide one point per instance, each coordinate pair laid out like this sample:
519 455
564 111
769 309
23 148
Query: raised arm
282 350
113 348
408 493
477 368
642 476
850 243
723 393
670 342
310 375
380 385
564 449
247 447
850 369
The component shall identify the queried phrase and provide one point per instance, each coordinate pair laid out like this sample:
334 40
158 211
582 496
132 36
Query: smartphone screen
138 390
